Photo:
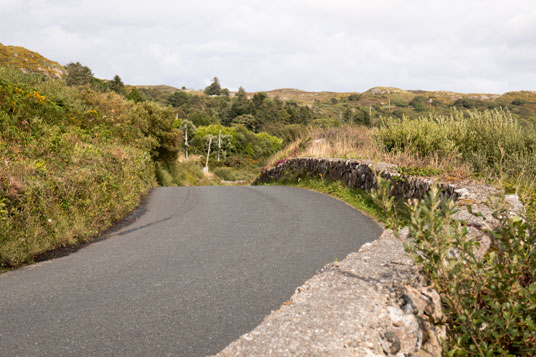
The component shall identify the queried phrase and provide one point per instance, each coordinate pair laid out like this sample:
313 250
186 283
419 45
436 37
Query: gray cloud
340 45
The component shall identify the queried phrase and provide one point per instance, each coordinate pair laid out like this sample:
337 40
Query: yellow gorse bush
36 96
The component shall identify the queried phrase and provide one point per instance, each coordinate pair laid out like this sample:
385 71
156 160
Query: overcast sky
336 45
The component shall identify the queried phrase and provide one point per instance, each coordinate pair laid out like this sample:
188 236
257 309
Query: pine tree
77 74
214 88
117 84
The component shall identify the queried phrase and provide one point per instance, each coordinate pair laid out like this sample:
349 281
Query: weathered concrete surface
370 304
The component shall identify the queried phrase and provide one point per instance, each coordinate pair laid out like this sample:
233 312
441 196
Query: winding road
187 273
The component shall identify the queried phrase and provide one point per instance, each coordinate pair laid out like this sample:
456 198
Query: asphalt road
199 267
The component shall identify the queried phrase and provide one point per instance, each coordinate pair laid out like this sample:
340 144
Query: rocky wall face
355 175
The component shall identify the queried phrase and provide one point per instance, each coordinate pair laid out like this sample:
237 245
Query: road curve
197 269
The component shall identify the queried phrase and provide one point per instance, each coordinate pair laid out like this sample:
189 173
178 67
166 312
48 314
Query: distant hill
29 61
379 93
160 88
381 99
303 96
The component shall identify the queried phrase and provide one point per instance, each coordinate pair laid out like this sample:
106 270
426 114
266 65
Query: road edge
372 303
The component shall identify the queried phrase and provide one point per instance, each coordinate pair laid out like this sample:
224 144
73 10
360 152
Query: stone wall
362 175
355 174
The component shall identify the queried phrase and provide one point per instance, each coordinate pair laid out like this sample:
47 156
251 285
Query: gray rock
515 205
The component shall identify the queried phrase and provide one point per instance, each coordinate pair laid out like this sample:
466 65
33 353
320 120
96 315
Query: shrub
419 103
268 144
74 160
490 140
225 173
489 303
423 136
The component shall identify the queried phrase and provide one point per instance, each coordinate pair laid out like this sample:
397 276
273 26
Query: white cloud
340 45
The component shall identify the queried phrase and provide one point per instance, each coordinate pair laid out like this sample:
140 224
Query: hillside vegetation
331 109
73 161
29 61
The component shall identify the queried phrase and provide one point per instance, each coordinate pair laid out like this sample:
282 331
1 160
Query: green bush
225 173
490 140
422 136
489 303
73 161
268 144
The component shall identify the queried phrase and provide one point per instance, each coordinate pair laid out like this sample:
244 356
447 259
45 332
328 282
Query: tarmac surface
186 274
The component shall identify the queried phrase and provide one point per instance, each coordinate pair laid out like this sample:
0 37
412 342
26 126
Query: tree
188 128
354 97
248 120
135 95
363 117
100 85
164 138
214 88
178 98
225 92
77 74
241 92
419 103
258 99
117 84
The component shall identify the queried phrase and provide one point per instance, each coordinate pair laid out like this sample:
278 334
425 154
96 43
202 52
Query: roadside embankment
72 162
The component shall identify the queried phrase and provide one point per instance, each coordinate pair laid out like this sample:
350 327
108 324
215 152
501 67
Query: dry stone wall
355 174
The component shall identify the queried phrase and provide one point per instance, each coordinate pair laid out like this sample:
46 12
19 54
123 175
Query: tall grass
489 146
358 142
492 142
183 173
